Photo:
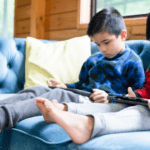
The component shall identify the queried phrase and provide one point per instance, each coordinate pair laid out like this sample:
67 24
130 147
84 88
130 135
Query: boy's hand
99 96
149 104
130 92
53 82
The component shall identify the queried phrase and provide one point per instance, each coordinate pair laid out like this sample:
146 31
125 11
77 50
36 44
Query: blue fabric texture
123 141
34 133
111 75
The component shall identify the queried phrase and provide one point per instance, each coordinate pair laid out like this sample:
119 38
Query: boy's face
110 45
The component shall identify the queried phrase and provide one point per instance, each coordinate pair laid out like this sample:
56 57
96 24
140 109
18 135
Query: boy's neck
123 48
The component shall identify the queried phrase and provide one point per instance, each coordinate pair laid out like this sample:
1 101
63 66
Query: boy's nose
103 50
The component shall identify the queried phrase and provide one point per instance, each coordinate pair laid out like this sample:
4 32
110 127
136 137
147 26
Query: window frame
129 20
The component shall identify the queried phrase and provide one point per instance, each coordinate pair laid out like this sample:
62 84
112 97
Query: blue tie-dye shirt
111 75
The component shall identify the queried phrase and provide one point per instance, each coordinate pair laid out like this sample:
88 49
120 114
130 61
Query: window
7 18
83 13
127 8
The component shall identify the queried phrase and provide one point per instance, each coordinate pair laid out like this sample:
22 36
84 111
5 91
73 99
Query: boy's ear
124 34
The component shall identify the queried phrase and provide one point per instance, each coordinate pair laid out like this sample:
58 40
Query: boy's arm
135 75
53 82
145 91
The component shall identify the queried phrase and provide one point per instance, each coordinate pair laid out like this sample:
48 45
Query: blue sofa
33 133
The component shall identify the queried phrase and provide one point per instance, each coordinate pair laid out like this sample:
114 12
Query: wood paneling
23 26
138 37
139 30
23 2
64 34
37 27
136 28
129 34
61 21
23 13
22 35
60 6
135 21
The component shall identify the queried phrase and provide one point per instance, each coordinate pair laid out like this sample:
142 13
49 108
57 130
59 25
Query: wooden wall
22 18
58 20
136 28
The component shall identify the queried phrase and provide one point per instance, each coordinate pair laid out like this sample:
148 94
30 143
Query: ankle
90 123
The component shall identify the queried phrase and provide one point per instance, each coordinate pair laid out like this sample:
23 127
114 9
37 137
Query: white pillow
61 60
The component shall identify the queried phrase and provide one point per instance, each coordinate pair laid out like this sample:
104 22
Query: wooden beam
37 27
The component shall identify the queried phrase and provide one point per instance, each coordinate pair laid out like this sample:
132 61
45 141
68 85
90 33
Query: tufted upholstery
12 70
34 133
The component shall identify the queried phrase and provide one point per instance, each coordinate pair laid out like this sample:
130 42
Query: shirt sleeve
136 75
145 90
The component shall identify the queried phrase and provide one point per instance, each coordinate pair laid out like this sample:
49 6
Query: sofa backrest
12 61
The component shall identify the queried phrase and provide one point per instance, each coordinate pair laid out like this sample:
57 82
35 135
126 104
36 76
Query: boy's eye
107 43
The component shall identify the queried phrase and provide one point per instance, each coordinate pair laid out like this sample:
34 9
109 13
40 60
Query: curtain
6 18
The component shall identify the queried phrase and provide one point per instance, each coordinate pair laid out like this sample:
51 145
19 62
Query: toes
41 100
47 104
54 101
38 99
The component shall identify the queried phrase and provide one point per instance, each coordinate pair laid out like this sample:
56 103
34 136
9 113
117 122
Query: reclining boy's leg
133 118
79 127
25 94
11 113
84 109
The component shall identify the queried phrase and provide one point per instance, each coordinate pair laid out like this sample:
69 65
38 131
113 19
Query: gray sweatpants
108 118
23 105
114 118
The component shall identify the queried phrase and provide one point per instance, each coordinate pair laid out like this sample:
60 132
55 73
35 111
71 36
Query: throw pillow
60 60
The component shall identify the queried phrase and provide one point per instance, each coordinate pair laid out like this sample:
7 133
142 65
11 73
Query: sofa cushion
34 133
12 68
61 61
120 141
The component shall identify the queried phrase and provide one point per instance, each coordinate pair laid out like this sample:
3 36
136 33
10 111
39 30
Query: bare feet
40 104
79 127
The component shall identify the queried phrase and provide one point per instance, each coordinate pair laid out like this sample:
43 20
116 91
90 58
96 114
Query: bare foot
79 127
40 102
40 105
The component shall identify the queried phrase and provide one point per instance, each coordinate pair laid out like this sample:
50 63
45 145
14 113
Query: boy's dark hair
108 20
